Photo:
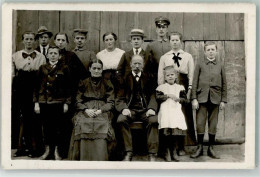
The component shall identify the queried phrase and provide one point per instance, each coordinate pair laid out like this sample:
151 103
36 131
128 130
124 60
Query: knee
153 120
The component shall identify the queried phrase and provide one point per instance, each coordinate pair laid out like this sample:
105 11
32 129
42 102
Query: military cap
137 32
82 31
43 30
162 21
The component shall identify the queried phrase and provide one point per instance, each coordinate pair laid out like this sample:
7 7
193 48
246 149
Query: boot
199 150
46 153
167 155
56 154
175 156
181 151
211 152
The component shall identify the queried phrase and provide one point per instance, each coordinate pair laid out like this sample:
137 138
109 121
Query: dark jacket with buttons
209 82
54 84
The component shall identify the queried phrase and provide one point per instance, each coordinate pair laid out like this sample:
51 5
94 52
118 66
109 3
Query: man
26 64
136 102
44 36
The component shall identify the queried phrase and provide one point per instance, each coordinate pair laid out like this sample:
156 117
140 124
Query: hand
90 112
195 104
150 112
126 112
97 112
37 108
222 105
173 97
189 94
65 108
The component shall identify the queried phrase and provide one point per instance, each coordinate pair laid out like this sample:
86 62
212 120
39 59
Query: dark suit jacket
209 82
125 94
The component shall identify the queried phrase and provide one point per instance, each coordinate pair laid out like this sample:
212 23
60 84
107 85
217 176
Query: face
53 55
96 70
110 41
162 30
137 64
211 51
28 41
175 42
44 40
80 40
170 76
60 41
136 41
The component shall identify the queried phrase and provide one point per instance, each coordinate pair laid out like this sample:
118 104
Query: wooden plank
195 49
176 20
51 20
69 20
109 23
235 26
91 22
236 89
214 26
27 20
193 26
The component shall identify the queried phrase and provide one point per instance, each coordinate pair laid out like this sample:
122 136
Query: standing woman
110 57
92 132
183 63
78 72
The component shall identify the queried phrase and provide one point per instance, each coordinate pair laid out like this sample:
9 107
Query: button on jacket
209 82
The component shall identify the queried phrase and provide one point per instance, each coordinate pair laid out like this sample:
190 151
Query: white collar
53 63
138 74
211 59
46 48
139 50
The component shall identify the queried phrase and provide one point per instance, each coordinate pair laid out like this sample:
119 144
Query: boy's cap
162 21
43 30
78 30
137 32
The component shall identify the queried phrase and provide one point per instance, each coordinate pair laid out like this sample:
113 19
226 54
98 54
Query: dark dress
92 138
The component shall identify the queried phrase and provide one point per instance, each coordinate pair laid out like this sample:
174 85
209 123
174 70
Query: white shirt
139 50
138 74
46 49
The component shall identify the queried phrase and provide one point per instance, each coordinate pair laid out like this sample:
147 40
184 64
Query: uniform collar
80 49
162 39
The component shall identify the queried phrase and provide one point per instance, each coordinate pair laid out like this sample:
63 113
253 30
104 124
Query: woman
110 57
92 133
78 72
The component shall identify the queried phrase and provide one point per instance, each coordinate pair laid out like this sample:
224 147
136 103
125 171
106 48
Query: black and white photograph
128 86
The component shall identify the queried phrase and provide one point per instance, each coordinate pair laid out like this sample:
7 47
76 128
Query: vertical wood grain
193 26
234 26
214 26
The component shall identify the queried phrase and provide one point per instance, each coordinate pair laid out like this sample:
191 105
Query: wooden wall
227 30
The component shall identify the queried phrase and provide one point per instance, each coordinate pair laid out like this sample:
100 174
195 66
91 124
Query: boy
209 94
52 97
44 37
80 39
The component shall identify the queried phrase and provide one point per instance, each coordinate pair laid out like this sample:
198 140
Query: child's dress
170 114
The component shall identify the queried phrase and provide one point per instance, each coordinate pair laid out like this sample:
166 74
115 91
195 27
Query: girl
171 118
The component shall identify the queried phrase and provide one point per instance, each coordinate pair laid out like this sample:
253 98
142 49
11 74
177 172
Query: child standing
171 118
52 97
209 94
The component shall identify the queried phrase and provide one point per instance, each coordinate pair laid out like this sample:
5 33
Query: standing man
44 36
136 102
26 64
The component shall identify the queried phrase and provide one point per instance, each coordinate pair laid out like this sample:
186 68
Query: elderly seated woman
93 134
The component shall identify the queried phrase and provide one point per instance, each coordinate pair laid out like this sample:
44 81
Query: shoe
20 153
175 156
128 156
181 152
46 153
199 152
212 154
167 155
56 154
152 157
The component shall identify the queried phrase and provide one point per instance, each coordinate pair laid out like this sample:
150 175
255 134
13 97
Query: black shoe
181 152
175 156
199 152
56 154
46 153
128 156
167 155
20 153
152 157
212 154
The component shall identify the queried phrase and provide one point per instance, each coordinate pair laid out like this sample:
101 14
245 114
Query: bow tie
213 61
176 59
32 55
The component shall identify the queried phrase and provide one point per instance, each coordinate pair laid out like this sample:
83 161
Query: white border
250 51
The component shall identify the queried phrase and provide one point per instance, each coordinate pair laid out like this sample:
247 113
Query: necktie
136 51
44 51
32 55
176 59
137 78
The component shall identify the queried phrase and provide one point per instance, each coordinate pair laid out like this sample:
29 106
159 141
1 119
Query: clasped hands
37 108
93 112
127 112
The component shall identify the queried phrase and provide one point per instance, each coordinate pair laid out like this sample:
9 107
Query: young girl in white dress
171 118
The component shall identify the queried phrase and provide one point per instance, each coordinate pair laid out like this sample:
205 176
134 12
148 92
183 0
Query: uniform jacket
209 82
54 84
125 94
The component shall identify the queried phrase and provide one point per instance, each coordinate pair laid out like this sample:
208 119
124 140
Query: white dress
170 114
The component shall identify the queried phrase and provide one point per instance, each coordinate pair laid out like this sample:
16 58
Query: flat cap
43 30
162 21
78 30
137 32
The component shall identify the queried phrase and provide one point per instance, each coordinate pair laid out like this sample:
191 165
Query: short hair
53 47
175 33
28 32
171 67
210 43
95 61
110 33
137 56
62 33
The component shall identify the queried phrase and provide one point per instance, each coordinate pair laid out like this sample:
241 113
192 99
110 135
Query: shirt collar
162 39
139 50
171 52
80 49
207 60
53 63
138 74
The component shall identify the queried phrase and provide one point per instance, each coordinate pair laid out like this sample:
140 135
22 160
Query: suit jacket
125 94
209 82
